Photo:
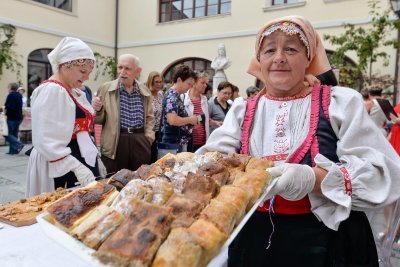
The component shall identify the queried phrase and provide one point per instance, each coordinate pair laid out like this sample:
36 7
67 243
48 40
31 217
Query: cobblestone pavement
13 184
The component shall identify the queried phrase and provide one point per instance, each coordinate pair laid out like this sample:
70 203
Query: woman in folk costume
331 163
62 119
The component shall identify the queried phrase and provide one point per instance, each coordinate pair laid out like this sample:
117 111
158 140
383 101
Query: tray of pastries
183 210
23 212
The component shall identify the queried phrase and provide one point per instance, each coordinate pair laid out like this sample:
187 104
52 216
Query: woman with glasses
155 84
219 106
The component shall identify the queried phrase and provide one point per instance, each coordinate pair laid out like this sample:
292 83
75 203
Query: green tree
8 57
367 44
105 65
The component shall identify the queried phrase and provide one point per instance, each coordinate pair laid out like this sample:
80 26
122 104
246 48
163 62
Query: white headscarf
69 49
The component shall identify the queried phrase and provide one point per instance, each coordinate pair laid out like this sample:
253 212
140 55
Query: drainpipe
116 30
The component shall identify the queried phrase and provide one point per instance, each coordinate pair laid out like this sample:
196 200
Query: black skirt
302 240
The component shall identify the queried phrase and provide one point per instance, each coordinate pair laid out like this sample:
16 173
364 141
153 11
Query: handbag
3 125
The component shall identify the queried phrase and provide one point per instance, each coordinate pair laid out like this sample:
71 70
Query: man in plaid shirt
124 108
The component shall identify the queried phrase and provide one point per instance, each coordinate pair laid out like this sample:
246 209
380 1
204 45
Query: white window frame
269 7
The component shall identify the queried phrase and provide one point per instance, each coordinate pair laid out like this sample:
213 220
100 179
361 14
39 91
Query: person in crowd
197 104
367 101
252 91
235 92
376 111
208 91
219 106
155 84
88 92
124 108
328 167
176 123
62 120
13 110
22 91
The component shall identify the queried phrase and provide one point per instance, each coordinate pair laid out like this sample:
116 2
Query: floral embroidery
78 62
281 141
290 28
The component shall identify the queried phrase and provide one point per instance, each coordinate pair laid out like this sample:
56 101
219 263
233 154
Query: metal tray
81 250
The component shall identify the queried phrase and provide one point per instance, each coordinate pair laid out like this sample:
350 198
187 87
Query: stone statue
219 64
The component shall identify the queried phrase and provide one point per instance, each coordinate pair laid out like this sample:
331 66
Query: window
39 69
281 2
61 4
197 64
186 9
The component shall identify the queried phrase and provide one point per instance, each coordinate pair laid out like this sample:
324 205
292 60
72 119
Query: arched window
39 69
198 64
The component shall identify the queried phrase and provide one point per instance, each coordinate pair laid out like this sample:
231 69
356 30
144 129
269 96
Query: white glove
102 168
83 174
87 148
291 181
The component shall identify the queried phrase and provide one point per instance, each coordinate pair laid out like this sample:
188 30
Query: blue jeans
12 138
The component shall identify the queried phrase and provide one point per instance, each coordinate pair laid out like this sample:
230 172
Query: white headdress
67 50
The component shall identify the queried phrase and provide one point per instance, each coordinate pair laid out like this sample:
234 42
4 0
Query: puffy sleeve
227 138
53 119
365 156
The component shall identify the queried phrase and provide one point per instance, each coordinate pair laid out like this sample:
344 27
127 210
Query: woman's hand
216 123
291 181
194 120
175 120
311 80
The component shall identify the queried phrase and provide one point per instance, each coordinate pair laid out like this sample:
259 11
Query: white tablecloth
29 246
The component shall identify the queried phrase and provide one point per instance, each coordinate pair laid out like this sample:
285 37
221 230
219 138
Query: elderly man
124 108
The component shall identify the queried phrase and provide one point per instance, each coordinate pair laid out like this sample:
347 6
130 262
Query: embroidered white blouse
53 120
280 127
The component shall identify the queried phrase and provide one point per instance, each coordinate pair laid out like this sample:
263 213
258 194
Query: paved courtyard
12 174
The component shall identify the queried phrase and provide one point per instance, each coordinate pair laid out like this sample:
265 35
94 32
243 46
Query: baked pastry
145 172
258 164
137 239
178 250
221 214
167 162
208 237
185 156
200 188
121 178
23 212
97 226
71 209
162 190
185 210
254 182
218 172
236 164
235 196
136 188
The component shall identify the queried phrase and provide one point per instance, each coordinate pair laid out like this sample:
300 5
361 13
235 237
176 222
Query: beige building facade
114 27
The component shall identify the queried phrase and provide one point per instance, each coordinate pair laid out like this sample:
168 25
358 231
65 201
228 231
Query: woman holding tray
331 163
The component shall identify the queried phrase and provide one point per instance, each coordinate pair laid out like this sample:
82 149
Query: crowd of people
329 167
